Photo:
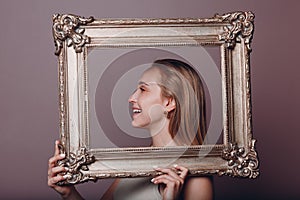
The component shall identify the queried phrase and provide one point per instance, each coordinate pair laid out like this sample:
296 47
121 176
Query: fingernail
67 169
62 155
175 165
152 180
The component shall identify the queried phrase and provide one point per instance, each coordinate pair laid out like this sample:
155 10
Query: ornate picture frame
232 33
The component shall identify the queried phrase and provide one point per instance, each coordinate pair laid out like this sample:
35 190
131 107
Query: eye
142 89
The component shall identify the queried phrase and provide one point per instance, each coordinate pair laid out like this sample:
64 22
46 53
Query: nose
132 98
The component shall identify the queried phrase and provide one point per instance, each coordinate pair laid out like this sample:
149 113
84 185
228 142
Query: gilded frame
233 32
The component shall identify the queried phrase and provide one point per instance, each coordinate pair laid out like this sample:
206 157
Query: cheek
156 112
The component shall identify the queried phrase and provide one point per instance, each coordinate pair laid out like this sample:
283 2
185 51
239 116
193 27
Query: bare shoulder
200 188
108 195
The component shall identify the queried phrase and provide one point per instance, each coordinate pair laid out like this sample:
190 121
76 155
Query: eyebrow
143 83
147 84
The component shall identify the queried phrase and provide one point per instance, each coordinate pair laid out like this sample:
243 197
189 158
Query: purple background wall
28 89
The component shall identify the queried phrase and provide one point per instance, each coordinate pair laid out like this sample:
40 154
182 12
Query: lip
134 114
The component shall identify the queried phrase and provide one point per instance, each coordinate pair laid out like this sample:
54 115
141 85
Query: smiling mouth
136 110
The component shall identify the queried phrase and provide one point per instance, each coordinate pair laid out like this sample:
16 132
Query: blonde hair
179 81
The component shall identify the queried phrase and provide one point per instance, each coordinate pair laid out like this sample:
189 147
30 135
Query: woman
169 102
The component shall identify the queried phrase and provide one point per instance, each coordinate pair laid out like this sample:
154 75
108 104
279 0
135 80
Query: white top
136 189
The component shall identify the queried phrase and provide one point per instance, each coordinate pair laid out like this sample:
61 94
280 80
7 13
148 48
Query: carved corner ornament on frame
241 164
76 163
69 30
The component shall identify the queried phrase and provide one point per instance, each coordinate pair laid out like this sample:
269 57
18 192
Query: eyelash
142 89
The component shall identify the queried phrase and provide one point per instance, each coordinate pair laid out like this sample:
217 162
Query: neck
162 137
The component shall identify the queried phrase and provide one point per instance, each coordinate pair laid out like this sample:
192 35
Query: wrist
71 194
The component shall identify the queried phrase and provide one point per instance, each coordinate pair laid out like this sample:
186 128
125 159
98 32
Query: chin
135 125
138 125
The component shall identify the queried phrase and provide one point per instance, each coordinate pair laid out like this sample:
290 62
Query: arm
198 188
54 176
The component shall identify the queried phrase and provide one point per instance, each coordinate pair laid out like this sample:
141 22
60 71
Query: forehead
151 75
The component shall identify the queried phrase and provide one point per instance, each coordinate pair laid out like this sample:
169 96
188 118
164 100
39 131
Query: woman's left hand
172 180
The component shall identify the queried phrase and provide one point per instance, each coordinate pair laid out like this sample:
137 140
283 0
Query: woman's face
147 103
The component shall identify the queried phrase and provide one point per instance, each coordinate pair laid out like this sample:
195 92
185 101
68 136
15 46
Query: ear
170 104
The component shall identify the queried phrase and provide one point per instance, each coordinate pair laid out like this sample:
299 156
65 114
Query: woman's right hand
54 175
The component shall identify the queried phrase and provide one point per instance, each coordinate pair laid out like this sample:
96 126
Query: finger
53 160
169 181
53 181
161 179
56 150
56 170
166 171
170 172
163 176
180 171
183 171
